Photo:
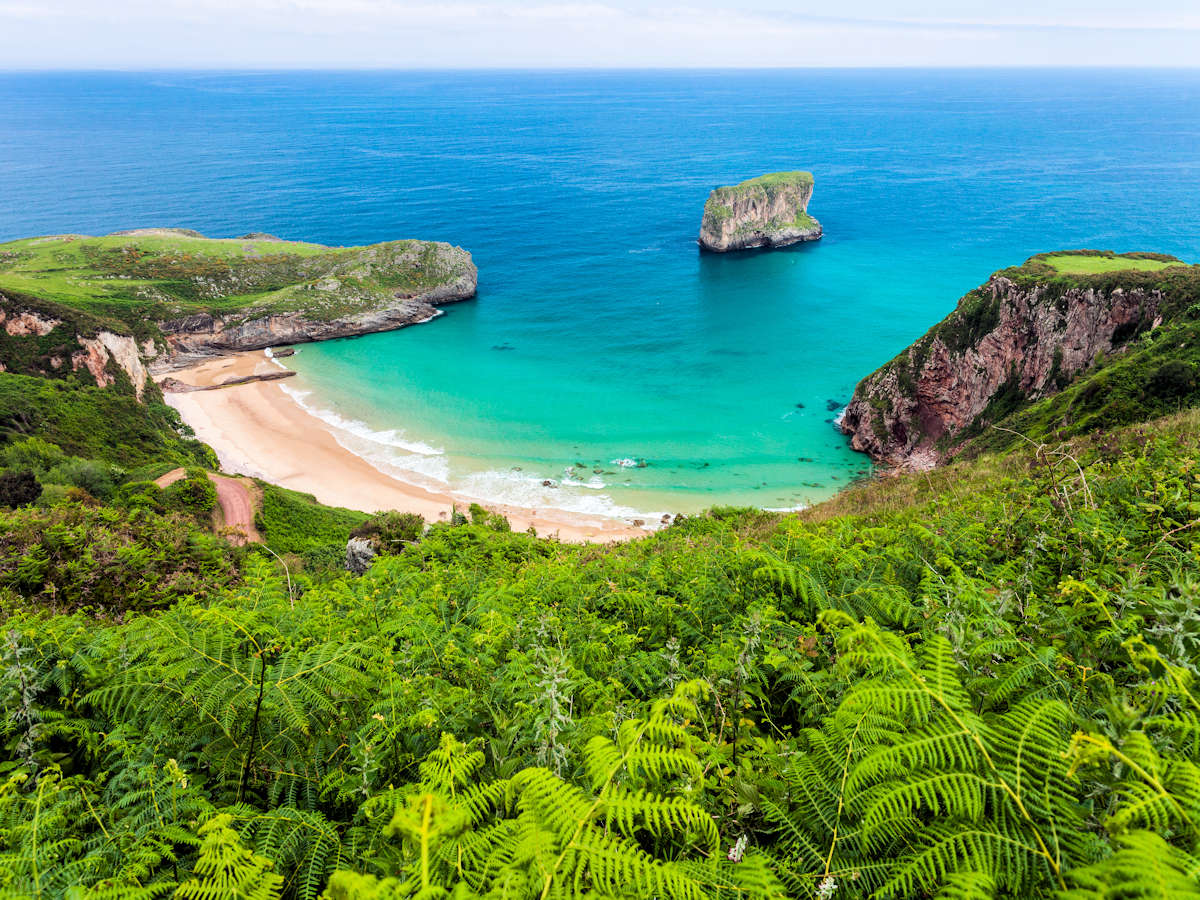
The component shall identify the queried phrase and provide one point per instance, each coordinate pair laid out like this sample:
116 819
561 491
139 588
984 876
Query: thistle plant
21 700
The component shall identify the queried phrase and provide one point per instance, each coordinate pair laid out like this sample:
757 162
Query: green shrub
96 478
76 554
141 495
80 496
18 488
482 516
390 532
323 557
32 453
1174 379
195 495
53 494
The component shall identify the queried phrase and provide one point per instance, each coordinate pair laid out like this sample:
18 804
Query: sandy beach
258 430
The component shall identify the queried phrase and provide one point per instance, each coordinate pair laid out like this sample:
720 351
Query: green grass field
1077 264
76 269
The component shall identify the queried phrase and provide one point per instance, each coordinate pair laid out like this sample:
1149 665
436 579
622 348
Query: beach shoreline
258 430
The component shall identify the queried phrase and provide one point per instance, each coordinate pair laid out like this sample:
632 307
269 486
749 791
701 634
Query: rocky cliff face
1008 342
768 211
108 348
33 342
203 334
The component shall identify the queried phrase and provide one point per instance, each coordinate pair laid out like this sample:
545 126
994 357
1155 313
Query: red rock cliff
1005 341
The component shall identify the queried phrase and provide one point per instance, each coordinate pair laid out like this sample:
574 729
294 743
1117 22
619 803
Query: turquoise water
600 333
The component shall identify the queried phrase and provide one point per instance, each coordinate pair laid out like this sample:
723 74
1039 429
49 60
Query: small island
767 211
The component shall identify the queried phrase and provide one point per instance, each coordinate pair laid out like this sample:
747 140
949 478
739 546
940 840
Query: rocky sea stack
768 211
1067 343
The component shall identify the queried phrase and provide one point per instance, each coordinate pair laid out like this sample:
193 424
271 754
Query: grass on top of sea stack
777 179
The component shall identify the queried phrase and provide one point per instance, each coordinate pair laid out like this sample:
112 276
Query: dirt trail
234 499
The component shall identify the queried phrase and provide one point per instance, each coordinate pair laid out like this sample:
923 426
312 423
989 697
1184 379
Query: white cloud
132 33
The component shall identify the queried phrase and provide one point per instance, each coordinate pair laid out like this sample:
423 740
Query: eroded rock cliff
768 211
1022 336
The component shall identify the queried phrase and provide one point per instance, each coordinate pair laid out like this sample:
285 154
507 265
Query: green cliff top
771 184
1085 263
1088 264
772 179
1103 270
125 279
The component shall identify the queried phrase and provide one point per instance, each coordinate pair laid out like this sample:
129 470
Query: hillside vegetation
977 684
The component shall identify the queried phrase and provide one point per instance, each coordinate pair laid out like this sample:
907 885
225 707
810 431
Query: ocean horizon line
351 69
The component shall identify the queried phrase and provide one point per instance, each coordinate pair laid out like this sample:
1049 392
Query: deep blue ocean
600 333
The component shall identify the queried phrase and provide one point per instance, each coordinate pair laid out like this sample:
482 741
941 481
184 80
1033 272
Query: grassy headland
125 280
1095 264
1030 321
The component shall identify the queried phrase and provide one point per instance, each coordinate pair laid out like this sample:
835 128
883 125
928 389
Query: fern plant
229 679
905 785
630 830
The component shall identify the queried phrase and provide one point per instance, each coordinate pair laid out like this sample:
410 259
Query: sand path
235 501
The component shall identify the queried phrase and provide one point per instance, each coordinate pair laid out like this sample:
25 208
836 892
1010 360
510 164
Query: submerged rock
768 211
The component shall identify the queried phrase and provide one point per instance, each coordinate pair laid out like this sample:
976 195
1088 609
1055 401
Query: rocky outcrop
204 334
174 386
1008 342
359 555
768 211
25 323
120 349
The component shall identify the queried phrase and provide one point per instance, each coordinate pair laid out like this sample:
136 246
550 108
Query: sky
140 34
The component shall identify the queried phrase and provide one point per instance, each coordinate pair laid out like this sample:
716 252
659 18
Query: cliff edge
1067 342
768 211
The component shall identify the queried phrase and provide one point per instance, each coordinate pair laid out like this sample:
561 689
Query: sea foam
529 492
424 465
388 450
